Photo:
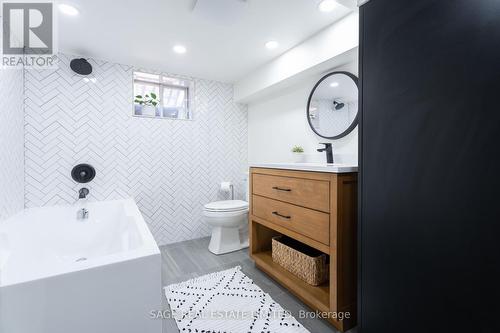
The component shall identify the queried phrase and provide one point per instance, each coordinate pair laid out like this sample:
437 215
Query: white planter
148 110
298 157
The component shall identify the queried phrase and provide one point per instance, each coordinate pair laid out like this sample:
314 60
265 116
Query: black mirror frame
354 122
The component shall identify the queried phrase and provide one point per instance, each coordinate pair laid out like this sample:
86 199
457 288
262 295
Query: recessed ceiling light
180 49
334 84
272 44
327 6
68 9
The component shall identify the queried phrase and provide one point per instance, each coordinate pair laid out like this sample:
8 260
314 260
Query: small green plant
148 100
297 149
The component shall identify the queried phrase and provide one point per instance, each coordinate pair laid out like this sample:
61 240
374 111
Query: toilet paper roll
225 186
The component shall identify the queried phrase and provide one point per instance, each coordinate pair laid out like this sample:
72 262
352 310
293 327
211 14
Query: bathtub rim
147 249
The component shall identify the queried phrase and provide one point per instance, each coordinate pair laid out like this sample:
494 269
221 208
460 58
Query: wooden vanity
318 209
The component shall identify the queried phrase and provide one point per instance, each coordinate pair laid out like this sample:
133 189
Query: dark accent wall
429 161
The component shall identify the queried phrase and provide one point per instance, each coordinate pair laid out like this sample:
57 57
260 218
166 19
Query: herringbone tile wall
171 167
11 143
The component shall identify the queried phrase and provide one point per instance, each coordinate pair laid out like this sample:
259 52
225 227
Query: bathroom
245 165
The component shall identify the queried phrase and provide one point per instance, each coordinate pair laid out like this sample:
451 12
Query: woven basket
301 260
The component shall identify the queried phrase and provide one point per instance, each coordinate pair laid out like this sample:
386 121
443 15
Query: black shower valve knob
83 173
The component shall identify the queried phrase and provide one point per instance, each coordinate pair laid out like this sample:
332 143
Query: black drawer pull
282 189
282 216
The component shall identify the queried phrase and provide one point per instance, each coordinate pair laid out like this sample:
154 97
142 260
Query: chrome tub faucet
83 213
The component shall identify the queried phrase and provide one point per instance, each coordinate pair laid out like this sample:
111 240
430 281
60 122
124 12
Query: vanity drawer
308 222
308 193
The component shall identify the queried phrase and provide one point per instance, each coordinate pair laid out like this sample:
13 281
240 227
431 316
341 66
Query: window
160 96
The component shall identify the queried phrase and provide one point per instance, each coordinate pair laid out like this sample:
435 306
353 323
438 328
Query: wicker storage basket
301 260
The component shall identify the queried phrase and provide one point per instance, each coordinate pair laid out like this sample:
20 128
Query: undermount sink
321 167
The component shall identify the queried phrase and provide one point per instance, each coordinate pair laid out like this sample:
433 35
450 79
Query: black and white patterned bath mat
227 302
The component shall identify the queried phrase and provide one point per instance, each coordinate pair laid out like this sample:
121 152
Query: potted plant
148 104
298 154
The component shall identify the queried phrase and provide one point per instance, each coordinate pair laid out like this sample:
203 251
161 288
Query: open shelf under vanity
317 209
318 297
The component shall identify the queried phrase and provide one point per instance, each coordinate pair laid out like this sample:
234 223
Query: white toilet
227 218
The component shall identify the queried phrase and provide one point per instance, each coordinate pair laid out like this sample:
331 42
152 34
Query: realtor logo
28 34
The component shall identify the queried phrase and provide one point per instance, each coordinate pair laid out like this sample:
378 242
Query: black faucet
329 152
83 193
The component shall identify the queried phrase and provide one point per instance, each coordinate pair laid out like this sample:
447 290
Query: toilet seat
228 206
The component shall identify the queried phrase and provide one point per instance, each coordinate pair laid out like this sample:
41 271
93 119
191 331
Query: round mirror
332 108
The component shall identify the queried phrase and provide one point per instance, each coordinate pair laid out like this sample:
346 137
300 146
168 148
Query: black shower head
81 66
338 105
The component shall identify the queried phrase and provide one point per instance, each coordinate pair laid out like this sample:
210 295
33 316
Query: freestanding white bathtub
61 275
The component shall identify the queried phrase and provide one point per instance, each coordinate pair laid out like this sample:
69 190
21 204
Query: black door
429 179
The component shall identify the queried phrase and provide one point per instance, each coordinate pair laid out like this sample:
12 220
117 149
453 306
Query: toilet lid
227 206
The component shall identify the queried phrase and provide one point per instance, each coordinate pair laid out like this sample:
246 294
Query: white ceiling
224 38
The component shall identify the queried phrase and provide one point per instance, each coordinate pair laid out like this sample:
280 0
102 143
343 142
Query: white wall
11 142
279 122
171 167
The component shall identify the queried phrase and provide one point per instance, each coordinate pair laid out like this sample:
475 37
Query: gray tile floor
186 260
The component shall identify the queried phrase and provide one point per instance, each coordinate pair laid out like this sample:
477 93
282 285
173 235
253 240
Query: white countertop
318 167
